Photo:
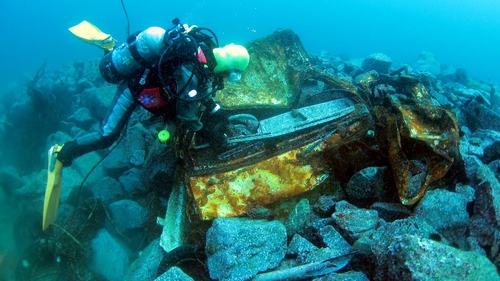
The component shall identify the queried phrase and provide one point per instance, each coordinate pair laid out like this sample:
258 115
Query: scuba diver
168 72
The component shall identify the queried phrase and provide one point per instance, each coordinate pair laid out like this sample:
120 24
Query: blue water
461 33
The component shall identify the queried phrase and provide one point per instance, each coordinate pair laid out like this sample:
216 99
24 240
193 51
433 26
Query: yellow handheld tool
93 35
53 189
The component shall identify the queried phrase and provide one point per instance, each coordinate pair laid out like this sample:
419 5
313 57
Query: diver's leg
109 133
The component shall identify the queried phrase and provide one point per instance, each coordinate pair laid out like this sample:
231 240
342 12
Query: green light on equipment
163 136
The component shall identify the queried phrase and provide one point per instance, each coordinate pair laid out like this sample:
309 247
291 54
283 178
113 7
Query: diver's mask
234 76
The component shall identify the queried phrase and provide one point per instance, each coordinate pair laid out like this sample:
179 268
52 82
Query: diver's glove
215 118
66 154
217 139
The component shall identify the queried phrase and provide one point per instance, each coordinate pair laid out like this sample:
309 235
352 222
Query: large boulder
486 215
110 258
353 222
368 185
107 189
414 258
447 212
378 62
238 249
176 274
127 215
427 62
145 267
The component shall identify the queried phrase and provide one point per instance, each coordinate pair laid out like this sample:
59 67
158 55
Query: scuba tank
142 49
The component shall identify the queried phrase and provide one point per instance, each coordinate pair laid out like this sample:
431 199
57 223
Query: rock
378 62
415 258
495 99
470 162
84 83
130 151
427 62
138 156
352 68
319 255
83 165
127 215
10 180
131 181
346 276
82 118
466 190
495 167
489 142
99 100
176 222
451 74
238 249
312 229
308 253
466 131
447 212
461 76
145 267
174 274
118 161
475 247
460 93
353 221
333 240
479 116
448 74
34 185
367 185
390 212
325 205
431 83
158 169
486 215
300 246
492 152
372 246
299 217
108 190
110 259
90 70
136 139
57 137
442 100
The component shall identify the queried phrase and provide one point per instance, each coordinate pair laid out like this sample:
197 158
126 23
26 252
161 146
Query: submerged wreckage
294 127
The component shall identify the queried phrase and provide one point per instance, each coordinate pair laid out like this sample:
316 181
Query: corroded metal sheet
277 69
423 142
235 192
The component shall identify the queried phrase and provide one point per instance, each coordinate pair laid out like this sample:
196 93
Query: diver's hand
63 153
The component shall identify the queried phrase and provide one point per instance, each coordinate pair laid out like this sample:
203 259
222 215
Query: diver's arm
109 133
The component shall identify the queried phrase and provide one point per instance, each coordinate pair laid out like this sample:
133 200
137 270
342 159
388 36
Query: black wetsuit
153 97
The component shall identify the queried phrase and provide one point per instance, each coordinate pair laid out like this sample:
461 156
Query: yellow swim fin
53 189
93 35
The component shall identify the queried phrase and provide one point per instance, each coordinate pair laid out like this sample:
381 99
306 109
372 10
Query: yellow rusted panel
235 192
239 95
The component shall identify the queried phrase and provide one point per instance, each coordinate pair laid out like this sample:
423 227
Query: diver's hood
231 58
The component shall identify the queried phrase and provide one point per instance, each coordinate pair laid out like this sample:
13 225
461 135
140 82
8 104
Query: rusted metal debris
393 122
422 140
